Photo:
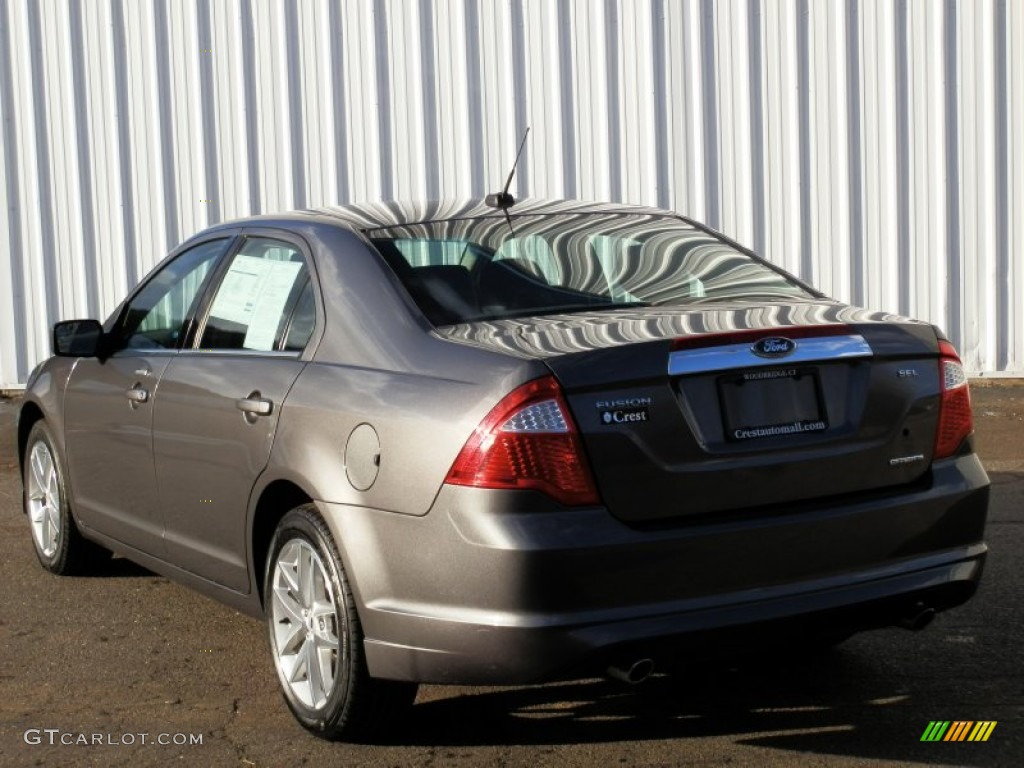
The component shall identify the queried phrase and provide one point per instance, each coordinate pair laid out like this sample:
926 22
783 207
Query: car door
220 401
108 404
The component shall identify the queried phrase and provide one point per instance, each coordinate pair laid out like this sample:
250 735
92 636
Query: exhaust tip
919 617
631 674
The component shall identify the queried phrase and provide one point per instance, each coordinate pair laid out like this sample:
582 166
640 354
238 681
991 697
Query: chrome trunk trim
685 362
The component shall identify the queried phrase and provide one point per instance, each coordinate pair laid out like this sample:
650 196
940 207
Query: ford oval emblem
773 346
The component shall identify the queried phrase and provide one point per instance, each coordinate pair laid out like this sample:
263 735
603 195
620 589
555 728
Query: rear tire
60 547
316 639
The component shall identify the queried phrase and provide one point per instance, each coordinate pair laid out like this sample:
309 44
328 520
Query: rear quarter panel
421 420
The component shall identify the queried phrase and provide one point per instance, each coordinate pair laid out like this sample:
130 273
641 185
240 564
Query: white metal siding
874 147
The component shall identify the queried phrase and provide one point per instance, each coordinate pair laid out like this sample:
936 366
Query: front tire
61 549
316 639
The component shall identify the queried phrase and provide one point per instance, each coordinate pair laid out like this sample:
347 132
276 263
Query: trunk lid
701 411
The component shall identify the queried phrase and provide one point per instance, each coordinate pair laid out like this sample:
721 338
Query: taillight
955 420
528 441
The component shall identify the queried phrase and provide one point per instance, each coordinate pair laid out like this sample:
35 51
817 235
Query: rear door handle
137 394
255 405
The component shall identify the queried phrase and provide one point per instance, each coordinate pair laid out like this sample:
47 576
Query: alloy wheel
44 501
305 623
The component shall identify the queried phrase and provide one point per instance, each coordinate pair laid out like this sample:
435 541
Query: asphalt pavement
128 668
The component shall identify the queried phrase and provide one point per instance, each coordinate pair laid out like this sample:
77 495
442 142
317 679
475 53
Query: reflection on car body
454 443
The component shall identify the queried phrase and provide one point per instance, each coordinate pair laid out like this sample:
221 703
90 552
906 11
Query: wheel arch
275 501
27 418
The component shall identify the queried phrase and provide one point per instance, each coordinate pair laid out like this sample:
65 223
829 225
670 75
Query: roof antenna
503 199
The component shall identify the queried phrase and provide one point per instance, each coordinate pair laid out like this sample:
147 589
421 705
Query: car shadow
119 567
835 704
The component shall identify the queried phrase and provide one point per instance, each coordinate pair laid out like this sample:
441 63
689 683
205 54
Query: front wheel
316 639
61 549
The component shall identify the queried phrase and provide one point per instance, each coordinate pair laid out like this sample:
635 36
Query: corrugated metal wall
874 147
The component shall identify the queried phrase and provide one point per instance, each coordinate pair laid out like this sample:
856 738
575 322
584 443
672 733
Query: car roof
375 215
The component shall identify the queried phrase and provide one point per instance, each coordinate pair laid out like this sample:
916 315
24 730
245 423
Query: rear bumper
476 592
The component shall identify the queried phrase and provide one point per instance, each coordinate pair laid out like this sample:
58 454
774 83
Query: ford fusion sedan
501 443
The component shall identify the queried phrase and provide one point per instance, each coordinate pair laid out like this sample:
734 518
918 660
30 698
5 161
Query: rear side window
254 305
300 326
490 268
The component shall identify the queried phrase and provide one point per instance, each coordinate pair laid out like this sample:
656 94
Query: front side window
155 318
263 302
488 268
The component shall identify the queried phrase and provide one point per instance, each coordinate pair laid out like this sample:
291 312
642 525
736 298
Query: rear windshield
489 268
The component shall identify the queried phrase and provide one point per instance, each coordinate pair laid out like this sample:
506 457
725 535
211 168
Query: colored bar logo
959 730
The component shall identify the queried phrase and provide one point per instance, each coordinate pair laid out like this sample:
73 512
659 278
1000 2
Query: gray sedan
499 442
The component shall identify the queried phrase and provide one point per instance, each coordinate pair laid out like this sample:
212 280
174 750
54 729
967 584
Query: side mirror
77 338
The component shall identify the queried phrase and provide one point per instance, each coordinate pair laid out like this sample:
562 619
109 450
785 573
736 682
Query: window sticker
254 294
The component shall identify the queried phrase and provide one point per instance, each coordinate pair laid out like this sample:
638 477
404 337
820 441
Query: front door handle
255 405
137 394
